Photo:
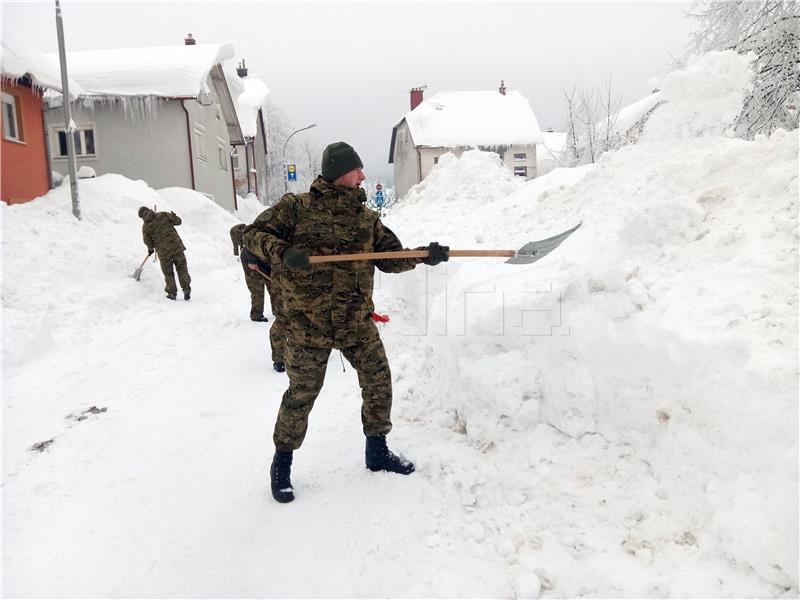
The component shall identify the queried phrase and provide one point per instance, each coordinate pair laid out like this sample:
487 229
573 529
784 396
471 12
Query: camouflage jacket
328 304
236 237
158 232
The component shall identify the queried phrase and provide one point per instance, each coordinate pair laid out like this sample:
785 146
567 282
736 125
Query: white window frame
235 158
521 171
222 154
80 148
199 142
520 156
9 100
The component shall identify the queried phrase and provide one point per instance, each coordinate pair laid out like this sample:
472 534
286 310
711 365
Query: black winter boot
279 472
380 458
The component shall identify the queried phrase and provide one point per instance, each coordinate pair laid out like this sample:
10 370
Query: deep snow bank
667 322
53 286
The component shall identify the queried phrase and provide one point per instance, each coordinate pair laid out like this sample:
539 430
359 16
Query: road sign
379 197
291 172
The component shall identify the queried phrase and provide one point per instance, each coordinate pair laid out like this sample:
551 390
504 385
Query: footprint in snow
85 414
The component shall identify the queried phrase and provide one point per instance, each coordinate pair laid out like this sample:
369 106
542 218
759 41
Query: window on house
84 142
11 125
222 155
199 135
235 159
436 160
521 171
520 156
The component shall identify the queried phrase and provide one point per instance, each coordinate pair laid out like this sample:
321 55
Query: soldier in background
330 305
159 235
257 275
256 283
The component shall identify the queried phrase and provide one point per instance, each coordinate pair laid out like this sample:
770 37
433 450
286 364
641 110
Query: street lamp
285 174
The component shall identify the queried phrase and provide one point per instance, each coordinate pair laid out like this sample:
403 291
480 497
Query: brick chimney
189 40
241 70
416 96
502 89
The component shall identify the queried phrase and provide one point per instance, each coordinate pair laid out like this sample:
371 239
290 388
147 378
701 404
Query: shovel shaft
406 254
264 275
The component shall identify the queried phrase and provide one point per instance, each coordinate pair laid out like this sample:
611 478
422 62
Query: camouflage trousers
255 283
306 368
278 331
178 261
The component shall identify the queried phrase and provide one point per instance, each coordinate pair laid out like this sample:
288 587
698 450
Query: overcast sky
349 66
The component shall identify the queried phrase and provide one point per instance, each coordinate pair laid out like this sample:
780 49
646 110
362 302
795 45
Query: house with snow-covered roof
164 115
250 159
496 121
25 75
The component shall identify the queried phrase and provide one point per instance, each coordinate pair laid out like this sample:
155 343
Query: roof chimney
416 96
189 40
502 89
241 70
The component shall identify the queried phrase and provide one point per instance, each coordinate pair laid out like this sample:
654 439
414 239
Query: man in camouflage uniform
329 305
269 275
158 232
254 280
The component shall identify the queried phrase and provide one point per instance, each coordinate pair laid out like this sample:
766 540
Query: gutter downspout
255 169
247 166
47 156
191 150
419 165
233 182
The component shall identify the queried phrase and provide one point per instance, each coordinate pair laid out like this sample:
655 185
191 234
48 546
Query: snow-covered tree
590 118
299 151
770 29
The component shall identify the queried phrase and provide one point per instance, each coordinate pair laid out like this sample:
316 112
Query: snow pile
708 95
54 294
667 323
248 208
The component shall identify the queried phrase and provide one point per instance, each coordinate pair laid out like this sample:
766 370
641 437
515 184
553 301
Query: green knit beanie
337 159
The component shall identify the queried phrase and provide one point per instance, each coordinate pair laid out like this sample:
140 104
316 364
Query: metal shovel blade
533 251
137 274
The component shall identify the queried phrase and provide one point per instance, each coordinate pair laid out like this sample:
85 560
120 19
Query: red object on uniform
380 318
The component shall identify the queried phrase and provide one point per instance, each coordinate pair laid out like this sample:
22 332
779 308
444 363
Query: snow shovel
529 253
138 272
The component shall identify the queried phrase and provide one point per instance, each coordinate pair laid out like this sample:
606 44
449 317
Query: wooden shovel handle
405 254
260 272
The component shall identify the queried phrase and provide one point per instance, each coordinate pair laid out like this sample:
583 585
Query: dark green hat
143 210
337 159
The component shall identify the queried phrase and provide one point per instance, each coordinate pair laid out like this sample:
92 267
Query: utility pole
69 126
285 176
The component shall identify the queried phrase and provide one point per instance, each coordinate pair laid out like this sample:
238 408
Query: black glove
150 252
436 254
251 259
294 258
